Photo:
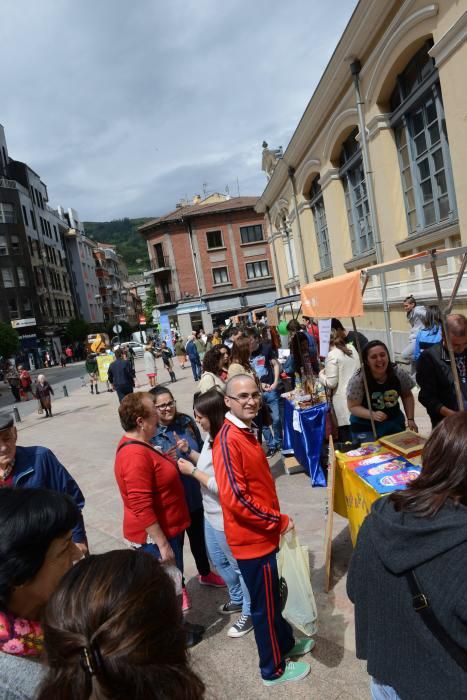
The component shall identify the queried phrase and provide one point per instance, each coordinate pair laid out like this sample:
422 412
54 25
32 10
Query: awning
334 297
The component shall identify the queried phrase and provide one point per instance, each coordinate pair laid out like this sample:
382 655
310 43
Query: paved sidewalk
84 433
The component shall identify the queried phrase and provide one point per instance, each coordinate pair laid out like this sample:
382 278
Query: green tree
150 304
9 340
76 329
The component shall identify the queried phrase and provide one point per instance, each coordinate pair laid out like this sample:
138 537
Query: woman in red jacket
155 513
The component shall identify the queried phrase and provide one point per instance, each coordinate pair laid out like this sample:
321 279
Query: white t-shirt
210 493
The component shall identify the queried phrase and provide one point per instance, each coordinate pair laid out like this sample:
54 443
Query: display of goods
408 443
393 475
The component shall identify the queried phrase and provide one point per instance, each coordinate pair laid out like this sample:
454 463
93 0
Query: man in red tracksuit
253 524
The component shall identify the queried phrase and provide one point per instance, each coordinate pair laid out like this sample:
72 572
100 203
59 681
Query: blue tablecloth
306 442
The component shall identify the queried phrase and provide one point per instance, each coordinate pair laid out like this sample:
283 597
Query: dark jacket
121 374
390 634
192 352
38 468
436 382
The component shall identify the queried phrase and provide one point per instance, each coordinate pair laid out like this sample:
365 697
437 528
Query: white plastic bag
293 566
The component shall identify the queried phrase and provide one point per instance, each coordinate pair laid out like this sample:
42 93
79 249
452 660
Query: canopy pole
365 381
457 284
447 340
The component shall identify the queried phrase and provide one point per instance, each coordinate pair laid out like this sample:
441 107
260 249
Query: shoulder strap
136 442
422 606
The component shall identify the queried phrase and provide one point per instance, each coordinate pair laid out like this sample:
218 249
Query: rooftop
199 209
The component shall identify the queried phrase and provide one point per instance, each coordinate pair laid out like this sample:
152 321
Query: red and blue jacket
252 519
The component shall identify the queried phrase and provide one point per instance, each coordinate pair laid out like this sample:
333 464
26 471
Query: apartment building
35 293
209 261
111 274
407 60
83 272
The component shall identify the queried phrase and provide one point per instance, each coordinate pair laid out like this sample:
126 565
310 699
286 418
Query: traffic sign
117 328
142 320
156 315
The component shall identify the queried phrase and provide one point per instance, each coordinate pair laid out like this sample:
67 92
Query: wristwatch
195 469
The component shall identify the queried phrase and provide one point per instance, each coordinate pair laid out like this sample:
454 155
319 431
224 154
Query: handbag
421 605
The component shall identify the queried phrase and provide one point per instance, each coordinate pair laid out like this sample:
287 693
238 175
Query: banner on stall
324 325
337 297
103 362
166 333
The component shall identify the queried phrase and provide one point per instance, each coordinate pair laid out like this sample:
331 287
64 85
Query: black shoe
271 452
194 634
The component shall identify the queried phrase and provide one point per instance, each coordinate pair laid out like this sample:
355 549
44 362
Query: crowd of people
113 625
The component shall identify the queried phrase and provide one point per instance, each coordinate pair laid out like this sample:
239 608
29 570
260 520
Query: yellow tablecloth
353 496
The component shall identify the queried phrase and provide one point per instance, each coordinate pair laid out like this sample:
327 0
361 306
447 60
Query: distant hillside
123 234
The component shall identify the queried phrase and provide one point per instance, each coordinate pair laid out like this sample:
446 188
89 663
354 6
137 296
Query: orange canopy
336 297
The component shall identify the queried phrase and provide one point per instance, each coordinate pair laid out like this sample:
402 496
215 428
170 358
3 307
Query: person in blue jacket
37 467
430 334
194 358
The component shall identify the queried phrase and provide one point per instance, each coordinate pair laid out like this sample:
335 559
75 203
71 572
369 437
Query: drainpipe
193 255
355 68
274 254
291 172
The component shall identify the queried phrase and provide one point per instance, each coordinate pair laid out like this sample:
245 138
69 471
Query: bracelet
195 469
409 419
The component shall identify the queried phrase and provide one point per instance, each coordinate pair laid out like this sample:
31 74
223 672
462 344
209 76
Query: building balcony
165 297
160 264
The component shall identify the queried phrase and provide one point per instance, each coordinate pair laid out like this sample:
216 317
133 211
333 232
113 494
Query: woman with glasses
179 431
210 410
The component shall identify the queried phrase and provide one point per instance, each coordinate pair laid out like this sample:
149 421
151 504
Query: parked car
137 348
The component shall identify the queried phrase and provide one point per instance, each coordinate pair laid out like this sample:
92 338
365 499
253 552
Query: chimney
197 199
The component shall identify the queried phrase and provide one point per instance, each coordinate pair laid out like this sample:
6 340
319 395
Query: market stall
373 470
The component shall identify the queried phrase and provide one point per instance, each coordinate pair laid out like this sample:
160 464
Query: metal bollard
65 390
16 415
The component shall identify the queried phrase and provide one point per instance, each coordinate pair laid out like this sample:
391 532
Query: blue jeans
271 399
379 691
175 543
226 565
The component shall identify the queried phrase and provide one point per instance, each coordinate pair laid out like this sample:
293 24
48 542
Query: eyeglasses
165 406
244 398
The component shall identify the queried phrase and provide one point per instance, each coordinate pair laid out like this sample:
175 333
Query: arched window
422 142
356 198
321 226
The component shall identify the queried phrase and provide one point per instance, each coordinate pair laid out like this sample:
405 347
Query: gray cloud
124 107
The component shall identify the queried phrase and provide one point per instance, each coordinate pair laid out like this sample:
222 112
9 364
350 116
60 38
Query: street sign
142 320
117 328
23 322
156 315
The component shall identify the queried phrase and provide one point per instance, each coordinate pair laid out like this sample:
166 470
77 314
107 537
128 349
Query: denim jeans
271 399
226 565
379 691
175 543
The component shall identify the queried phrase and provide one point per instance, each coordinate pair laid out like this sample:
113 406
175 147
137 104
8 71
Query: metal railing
161 262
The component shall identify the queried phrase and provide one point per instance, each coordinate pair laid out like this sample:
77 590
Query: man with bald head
253 525
434 373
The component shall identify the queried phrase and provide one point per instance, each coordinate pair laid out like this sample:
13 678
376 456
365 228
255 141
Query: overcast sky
123 107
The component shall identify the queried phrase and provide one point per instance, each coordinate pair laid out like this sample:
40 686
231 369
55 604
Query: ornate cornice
328 176
377 124
450 42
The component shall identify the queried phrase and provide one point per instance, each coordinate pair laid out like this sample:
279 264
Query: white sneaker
243 625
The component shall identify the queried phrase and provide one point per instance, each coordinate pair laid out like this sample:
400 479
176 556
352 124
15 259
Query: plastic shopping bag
294 574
